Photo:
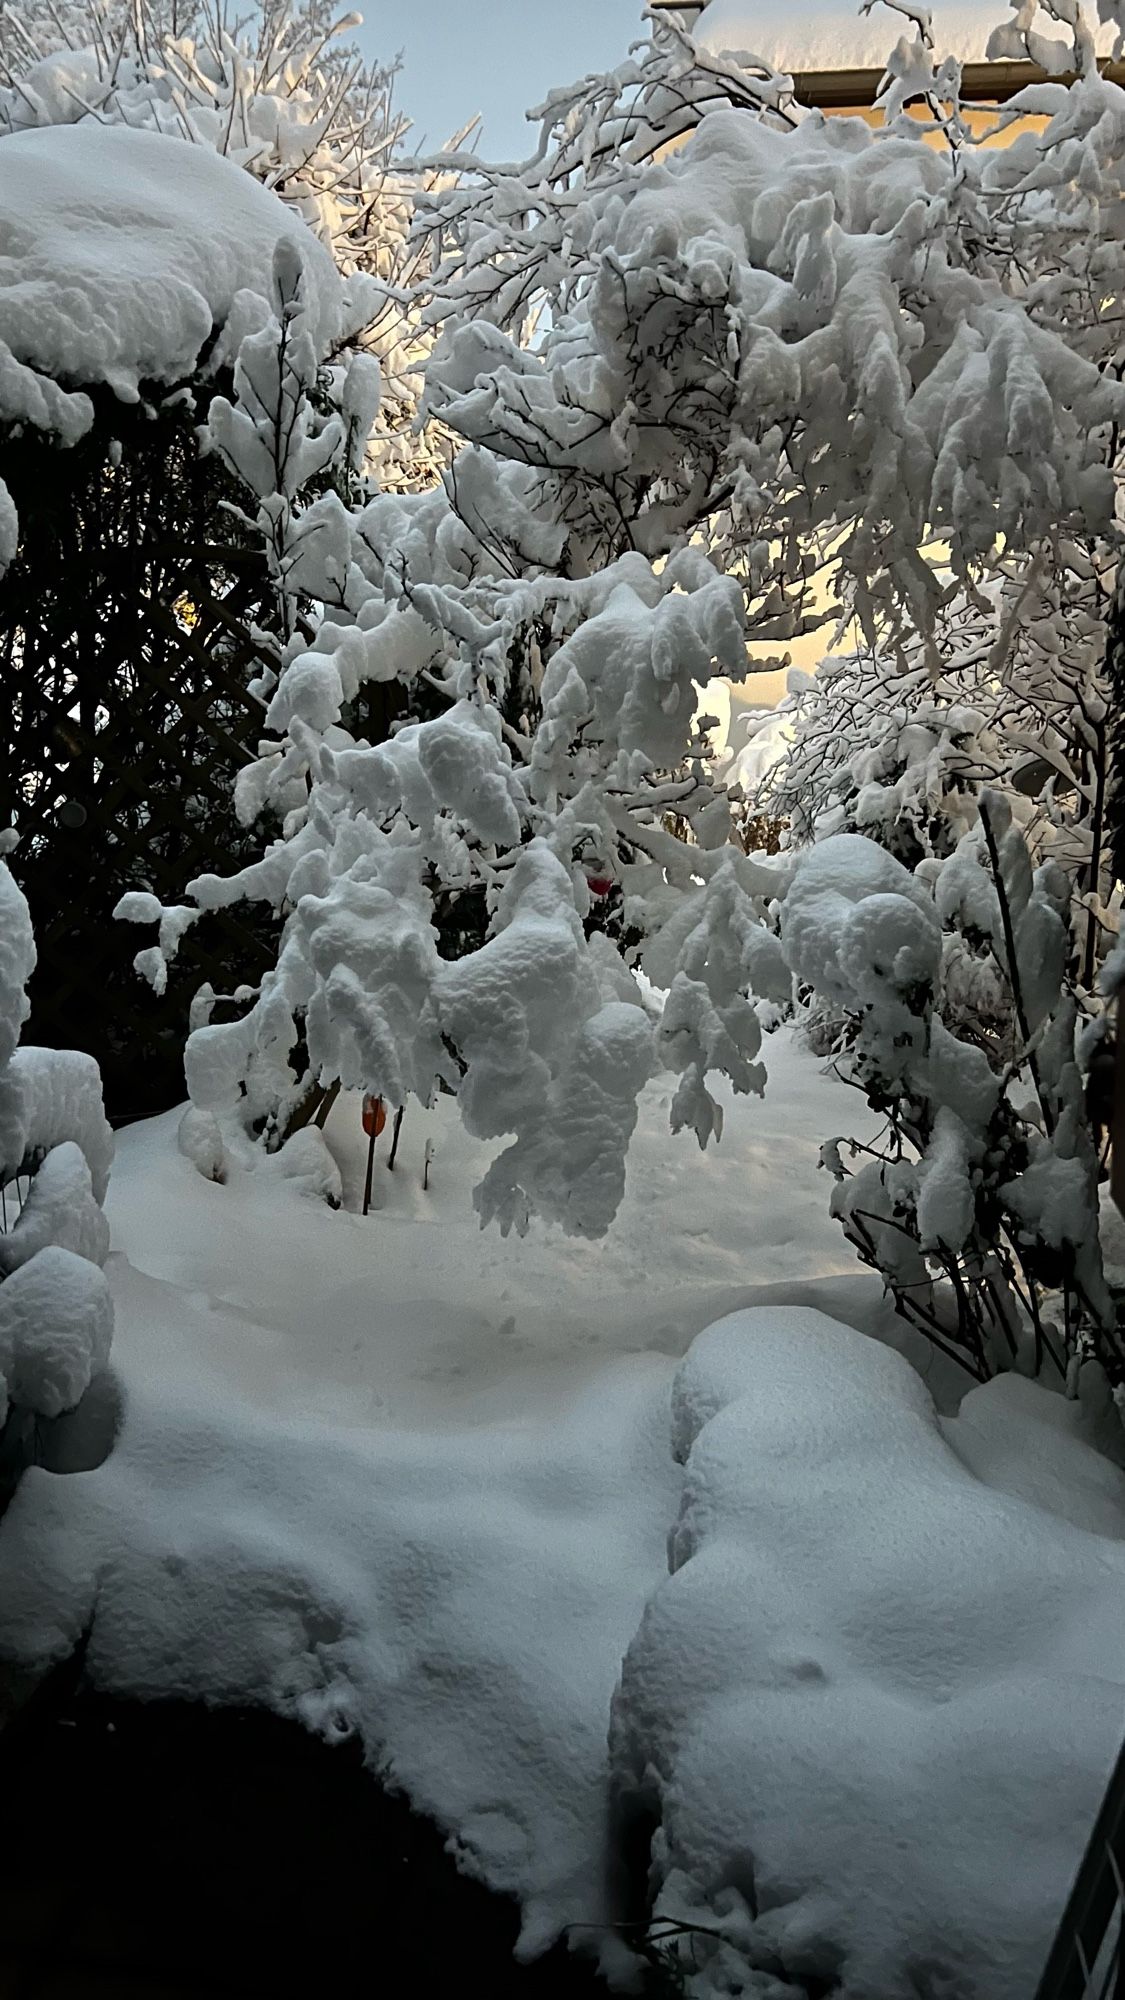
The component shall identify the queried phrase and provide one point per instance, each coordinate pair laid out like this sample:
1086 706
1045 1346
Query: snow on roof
120 251
799 35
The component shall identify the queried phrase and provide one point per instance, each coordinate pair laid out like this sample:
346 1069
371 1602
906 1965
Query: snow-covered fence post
56 1312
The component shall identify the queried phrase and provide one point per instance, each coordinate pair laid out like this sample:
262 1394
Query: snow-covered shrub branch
979 1204
282 437
509 239
541 1030
872 366
881 744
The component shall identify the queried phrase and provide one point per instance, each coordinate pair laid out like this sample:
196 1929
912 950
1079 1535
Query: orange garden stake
374 1119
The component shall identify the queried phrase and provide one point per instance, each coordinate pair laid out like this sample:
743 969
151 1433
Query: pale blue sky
493 56
500 56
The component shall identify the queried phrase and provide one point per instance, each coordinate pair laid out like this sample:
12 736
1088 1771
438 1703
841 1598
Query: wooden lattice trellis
127 645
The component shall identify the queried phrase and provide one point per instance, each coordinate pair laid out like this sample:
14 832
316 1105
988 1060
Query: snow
414 1314
57 90
766 740
396 1472
17 962
874 1661
123 251
56 1308
463 1496
56 1324
48 1096
834 34
60 1208
409 1481
859 928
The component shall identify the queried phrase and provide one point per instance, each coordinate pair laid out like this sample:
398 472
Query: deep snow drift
402 1478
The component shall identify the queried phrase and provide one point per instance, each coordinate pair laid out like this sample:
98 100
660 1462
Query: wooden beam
981 83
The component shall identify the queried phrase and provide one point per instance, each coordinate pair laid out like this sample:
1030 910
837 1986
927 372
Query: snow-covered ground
414 1314
402 1478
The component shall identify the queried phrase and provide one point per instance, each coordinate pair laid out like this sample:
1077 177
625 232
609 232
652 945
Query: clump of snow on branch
882 743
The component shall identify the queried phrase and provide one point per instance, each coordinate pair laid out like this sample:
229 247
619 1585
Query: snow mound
875 1705
415 1486
459 1599
56 1324
121 252
392 1476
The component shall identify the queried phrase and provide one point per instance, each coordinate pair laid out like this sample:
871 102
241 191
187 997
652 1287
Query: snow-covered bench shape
873 1709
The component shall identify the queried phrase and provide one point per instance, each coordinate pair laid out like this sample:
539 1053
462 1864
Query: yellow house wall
980 119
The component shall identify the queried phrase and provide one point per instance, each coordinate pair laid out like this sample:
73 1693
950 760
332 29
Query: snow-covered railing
981 83
1087 1960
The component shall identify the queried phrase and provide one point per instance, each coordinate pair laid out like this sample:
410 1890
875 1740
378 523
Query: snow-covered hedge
129 260
284 94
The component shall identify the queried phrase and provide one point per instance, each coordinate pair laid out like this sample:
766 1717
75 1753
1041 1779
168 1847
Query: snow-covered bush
785 346
56 1312
894 747
979 1204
